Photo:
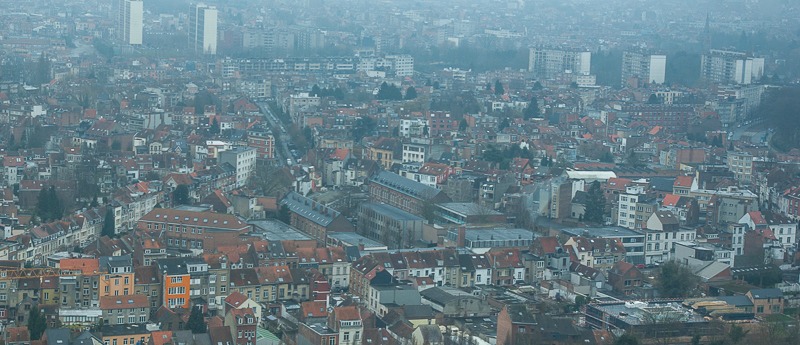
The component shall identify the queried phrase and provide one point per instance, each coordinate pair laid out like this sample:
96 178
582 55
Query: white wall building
130 21
243 159
203 29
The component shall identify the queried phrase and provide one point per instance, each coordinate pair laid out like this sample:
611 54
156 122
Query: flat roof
639 313
602 232
354 239
469 209
498 234
275 230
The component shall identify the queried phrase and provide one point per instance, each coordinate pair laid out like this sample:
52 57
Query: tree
503 124
462 125
109 224
181 195
42 70
43 205
411 93
653 99
389 92
308 134
214 129
676 280
498 88
537 86
595 204
196 322
284 214
37 323
364 126
532 110
56 208
315 90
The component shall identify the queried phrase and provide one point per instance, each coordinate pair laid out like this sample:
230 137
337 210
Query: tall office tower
721 66
645 68
203 29
548 63
129 17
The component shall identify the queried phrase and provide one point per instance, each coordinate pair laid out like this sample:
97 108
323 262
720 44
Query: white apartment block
414 153
546 63
130 21
741 165
203 29
721 66
243 159
648 68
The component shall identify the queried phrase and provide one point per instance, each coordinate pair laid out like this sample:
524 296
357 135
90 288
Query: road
756 131
280 133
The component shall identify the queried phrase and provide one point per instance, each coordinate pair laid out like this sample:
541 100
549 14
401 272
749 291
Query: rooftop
391 211
640 313
275 230
602 232
468 209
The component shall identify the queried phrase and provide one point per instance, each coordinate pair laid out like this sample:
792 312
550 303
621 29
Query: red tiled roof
85 266
671 200
683 181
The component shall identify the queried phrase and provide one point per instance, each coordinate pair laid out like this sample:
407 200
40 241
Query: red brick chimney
462 236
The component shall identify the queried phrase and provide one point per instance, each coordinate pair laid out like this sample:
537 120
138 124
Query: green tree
411 93
109 223
736 334
532 110
498 88
389 92
214 129
196 322
503 124
42 70
653 99
675 280
37 323
315 90
462 125
56 208
595 204
43 205
181 195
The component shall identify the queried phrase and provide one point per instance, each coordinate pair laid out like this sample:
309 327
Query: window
521 329
346 336
760 309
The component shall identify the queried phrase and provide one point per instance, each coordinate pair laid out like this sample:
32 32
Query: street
280 133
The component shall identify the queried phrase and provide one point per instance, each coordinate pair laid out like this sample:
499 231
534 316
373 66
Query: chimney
462 236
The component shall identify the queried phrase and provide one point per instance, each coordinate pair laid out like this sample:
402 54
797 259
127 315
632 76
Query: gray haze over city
359 172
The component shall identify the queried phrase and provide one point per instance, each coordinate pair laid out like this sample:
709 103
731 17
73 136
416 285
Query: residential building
243 325
549 63
313 218
643 67
635 207
407 195
203 29
125 310
721 66
243 159
766 301
389 225
191 229
130 21
663 230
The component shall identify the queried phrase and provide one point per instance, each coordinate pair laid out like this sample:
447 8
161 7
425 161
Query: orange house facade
176 282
